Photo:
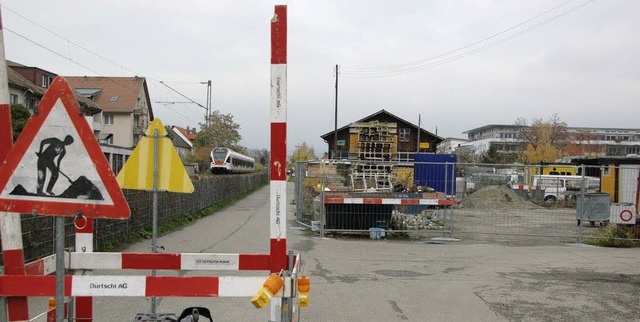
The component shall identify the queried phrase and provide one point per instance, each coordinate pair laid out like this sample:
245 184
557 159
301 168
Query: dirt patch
492 197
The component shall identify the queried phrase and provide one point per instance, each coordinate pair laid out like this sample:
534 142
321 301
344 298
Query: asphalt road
401 280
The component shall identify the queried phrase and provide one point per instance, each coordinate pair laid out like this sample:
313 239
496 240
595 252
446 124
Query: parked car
564 187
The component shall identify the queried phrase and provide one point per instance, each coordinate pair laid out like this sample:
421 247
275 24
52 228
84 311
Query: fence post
322 206
583 197
299 193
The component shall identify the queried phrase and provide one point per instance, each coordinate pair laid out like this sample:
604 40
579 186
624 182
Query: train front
219 162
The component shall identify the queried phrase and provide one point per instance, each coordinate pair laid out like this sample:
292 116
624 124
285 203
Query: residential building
24 91
406 136
182 140
125 102
450 145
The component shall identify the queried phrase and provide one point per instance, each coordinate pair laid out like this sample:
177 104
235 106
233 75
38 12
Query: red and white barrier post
278 163
10 226
84 244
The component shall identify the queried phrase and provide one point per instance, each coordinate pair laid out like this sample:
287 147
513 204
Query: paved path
385 280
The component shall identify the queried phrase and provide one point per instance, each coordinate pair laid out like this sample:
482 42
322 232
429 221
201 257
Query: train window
219 154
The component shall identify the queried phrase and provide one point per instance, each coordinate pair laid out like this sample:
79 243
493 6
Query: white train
225 160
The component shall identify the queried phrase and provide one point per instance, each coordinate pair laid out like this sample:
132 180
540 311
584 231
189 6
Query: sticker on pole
57 167
622 213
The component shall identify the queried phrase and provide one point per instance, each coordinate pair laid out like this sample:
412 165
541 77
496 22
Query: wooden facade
405 136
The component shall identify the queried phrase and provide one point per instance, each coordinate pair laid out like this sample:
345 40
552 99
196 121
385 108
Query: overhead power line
184 96
69 58
399 69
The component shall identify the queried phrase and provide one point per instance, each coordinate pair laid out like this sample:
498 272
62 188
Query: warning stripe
117 285
84 244
42 266
170 261
278 162
390 201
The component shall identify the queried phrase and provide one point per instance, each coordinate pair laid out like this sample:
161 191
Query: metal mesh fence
483 201
38 232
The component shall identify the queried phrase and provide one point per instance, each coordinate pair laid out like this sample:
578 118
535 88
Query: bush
615 236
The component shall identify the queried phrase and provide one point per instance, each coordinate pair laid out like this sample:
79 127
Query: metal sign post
154 232
59 268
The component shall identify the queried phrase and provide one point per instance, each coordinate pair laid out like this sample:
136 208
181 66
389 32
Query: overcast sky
459 64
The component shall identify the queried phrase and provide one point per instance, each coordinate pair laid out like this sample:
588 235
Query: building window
46 81
31 104
108 119
405 135
13 99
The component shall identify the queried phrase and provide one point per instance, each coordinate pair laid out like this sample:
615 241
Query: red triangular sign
57 167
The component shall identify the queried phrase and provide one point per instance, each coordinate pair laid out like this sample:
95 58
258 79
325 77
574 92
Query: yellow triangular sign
137 173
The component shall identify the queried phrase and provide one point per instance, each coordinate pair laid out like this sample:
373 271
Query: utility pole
335 133
208 102
418 134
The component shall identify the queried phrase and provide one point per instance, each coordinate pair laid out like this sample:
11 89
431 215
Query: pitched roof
373 117
178 139
20 81
187 134
113 94
17 80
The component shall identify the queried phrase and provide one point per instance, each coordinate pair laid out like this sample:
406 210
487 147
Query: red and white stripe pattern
84 245
390 201
10 226
278 164
6 132
169 261
123 285
42 266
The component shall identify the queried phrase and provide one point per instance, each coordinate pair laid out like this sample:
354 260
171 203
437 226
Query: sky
454 64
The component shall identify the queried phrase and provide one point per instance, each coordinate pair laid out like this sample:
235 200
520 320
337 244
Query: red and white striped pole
10 226
278 164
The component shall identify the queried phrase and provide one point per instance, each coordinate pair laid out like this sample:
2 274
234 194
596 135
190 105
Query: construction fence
480 201
38 232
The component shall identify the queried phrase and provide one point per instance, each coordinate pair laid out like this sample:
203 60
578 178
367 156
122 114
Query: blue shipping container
437 171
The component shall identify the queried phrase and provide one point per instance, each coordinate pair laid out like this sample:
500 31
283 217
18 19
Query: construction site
374 190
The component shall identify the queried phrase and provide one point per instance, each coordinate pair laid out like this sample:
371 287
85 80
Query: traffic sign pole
59 268
154 233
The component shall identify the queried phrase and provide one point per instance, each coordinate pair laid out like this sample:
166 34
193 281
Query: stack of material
372 145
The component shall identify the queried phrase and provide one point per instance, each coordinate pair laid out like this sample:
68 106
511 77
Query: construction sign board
57 167
137 173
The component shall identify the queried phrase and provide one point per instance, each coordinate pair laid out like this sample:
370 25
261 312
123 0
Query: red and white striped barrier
42 266
169 261
390 201
116 285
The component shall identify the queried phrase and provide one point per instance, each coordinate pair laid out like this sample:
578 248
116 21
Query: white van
563 187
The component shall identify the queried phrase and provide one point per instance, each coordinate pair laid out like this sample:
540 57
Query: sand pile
491 197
